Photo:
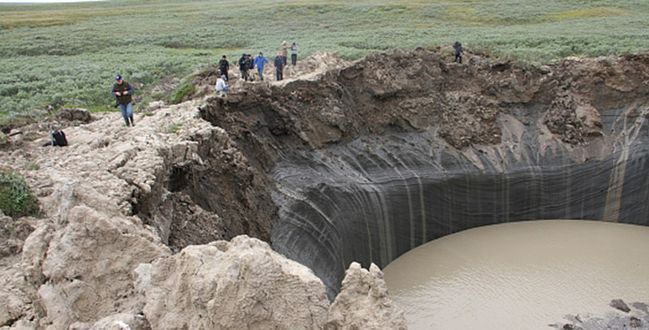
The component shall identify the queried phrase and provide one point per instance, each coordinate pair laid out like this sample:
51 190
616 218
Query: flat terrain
67 54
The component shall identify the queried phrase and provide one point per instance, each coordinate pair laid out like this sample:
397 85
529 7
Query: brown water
522 275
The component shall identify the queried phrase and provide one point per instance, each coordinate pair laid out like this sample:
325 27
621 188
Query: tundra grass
67 54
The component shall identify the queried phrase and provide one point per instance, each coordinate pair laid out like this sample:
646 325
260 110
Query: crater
374 158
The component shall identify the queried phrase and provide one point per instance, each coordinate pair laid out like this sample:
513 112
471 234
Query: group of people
247 64
123 91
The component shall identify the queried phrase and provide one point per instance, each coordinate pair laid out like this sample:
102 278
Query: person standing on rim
458 51
243 67
294 54
123 91
260 62
284 51
279 66
224 66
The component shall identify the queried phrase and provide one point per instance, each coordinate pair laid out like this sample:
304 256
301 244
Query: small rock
635 322
4 140
364 303
620 305
641 306
76 114
545 69
16 137
155 105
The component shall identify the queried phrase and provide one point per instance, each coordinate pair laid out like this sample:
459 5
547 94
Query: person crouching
221 86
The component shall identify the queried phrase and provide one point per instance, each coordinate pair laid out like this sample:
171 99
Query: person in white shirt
221 86
294 54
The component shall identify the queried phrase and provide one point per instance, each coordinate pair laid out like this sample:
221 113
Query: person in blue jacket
260 62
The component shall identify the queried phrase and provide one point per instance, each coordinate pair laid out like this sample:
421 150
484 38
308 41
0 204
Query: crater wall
378 197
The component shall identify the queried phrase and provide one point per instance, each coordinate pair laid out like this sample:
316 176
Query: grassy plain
67 54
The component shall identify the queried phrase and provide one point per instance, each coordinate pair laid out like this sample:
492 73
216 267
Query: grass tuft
175 128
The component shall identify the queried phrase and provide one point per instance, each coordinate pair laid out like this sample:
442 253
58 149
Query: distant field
67 54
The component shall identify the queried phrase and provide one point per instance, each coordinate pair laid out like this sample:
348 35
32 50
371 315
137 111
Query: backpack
58 139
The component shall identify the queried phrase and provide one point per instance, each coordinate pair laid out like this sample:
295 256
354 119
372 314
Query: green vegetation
16 199
31 166
67 54
174 128
182 92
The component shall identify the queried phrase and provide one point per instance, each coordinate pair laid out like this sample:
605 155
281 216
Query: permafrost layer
376 198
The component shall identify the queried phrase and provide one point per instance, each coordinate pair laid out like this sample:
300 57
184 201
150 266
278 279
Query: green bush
16 199
183 92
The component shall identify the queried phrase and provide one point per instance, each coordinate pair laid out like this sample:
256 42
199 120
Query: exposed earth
152 226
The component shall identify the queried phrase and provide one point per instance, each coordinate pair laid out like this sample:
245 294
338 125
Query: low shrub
16 198
183 92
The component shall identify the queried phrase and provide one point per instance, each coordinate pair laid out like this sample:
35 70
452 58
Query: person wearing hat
260 62
123 91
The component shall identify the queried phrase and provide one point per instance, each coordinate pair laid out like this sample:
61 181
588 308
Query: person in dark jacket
244 66
279 66
251 66
123 91
224 66
458 51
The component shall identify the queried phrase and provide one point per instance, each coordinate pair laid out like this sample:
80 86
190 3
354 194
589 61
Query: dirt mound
227 285
573 119
314 65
